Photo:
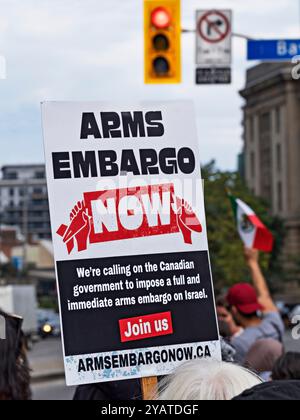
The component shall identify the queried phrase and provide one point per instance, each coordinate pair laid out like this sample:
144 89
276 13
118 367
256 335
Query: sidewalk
46 360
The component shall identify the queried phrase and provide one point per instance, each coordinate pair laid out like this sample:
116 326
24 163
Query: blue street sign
18 263
273 50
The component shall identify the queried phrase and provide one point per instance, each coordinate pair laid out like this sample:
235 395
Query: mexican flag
252 231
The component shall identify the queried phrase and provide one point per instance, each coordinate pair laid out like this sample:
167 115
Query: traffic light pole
248 38
236 35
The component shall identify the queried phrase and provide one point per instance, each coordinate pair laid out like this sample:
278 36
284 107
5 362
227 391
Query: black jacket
110 391
273 391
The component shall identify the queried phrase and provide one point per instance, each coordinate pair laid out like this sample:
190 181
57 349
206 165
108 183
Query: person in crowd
14 369
272 391
228 352
227 326
263 356
287 367
203 380
252 314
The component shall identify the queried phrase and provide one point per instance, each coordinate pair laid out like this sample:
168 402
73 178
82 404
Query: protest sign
130 242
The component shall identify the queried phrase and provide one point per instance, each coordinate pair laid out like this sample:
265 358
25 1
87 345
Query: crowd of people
255 365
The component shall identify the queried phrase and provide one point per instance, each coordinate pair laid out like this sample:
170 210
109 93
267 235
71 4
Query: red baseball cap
243 296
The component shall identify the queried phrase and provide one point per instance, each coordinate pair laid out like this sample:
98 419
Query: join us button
146 326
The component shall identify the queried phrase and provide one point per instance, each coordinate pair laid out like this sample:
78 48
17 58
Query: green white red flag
252 231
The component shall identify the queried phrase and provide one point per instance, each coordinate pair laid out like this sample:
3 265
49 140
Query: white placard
129 235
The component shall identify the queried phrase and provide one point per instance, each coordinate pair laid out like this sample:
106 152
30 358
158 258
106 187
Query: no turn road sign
214 27
214 31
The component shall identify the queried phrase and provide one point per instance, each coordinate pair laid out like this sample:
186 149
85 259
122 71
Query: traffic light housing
162 25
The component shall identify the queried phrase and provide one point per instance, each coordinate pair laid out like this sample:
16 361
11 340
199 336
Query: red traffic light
161 18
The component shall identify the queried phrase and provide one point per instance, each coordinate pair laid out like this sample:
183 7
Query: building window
279 197
265 155
11 175
38 203
265 122
39 175
11 192
38 191
279 157
278 120
252 130
252 164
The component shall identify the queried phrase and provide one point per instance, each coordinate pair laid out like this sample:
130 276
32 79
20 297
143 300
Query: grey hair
204 380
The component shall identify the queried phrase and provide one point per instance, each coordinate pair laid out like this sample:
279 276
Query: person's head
244 305
14 371
263 355
287 367
204 380
222 312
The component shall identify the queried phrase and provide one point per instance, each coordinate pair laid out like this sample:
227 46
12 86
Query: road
46 360
52 391
47 357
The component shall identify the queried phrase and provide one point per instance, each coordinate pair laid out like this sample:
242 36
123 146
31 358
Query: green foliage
226 248
8 271
48 302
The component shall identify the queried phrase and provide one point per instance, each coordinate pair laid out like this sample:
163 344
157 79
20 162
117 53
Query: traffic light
162 25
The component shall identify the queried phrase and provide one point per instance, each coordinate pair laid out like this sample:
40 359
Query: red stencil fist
187 220
79 228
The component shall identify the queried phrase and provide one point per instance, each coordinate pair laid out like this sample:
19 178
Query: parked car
48 323
21 301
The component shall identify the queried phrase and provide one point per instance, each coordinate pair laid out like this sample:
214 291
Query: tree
226 247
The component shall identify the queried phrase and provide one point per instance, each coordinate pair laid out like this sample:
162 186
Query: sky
93 50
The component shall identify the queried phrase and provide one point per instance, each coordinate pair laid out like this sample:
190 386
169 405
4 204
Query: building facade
272 143
24 200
